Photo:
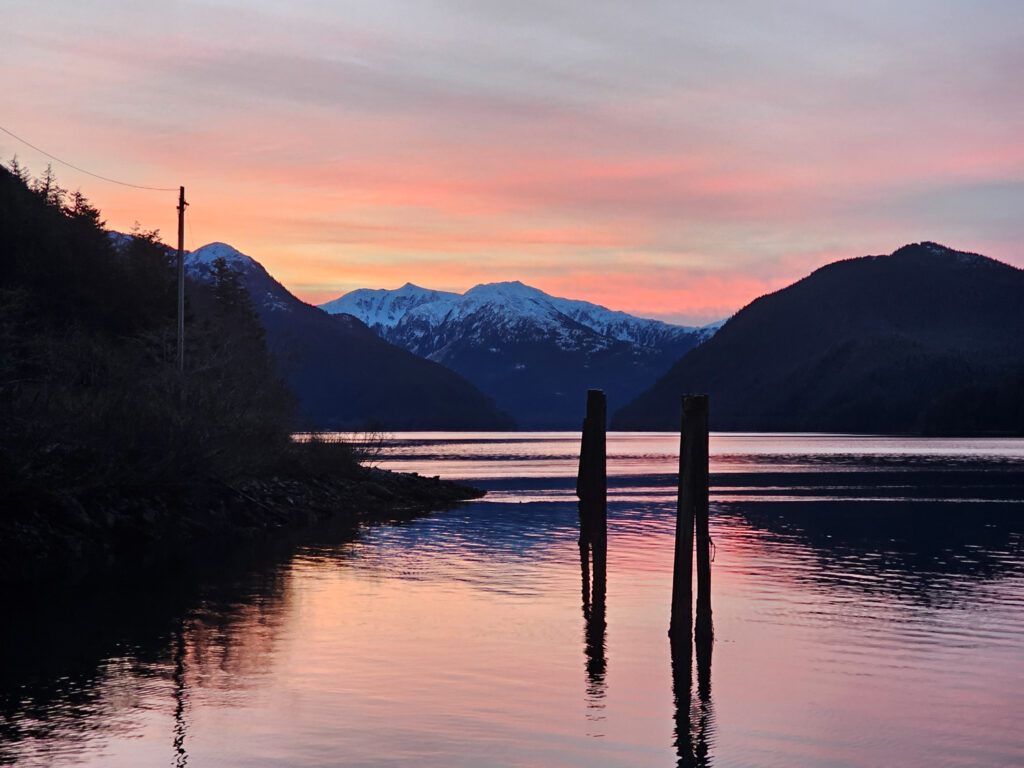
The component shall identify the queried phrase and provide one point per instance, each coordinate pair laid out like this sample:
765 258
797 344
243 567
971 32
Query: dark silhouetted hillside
344 376
926 340
90 392
110 454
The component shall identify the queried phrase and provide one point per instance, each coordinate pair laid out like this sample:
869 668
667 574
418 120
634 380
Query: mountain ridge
534 354
345 376
382 308
871 344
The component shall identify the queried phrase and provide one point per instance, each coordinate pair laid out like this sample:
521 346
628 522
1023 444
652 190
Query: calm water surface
868 602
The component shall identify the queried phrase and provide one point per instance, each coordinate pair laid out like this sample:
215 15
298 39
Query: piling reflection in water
180 700
595 626
682 688
694 717
391 650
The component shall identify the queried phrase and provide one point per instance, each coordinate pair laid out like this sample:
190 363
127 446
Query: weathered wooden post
703 631
692 518
692 515
583 488
597 406
592 489
585 569
693 422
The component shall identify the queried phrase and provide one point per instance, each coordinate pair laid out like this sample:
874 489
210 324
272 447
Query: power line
82 170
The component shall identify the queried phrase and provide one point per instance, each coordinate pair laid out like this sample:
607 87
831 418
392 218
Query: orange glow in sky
676 163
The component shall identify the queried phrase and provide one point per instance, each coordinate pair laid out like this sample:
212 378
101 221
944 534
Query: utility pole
181 278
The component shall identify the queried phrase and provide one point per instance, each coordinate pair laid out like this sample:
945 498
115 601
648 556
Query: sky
669 159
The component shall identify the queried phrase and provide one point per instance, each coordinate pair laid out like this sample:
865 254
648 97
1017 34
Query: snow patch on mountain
266 293
201 260
383 309
510 307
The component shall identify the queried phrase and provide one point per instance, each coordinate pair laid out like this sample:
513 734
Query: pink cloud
366 149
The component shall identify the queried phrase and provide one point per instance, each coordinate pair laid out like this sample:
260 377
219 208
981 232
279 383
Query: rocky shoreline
51 537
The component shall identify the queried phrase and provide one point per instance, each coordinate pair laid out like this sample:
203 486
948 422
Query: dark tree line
986 407
90 395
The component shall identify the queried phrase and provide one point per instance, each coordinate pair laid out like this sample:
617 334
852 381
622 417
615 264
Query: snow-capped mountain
343 375
202 259
382 308
535 354
399 314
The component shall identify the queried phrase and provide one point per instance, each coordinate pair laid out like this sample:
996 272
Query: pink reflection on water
459 639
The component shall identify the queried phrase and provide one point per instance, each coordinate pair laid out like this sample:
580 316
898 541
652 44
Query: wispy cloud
673 158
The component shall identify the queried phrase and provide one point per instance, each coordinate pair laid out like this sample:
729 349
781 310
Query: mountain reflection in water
868 597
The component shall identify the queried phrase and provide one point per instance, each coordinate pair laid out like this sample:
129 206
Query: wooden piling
692 528
592 480
592 490
703 629
691 516
583 489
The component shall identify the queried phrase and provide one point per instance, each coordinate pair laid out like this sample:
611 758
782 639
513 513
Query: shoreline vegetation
57 536
110 455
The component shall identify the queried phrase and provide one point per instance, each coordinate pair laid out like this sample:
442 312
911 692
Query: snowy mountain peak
381 308
510 288
510 297
206 255
267 294
423 313
534 353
